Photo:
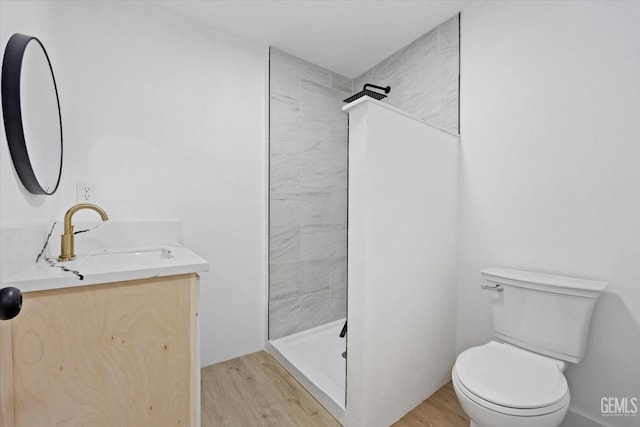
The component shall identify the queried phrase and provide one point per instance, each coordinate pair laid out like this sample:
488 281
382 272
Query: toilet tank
543 313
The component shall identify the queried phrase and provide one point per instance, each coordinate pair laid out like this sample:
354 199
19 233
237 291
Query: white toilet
542 322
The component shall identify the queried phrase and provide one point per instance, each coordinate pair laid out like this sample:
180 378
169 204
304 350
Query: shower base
314 358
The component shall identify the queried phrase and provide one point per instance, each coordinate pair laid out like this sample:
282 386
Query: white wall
17 206
401 266
550 170
167 120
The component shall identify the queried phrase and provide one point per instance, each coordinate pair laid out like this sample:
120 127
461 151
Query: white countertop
85 270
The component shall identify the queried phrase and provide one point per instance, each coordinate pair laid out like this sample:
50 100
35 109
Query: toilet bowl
499 385
542 322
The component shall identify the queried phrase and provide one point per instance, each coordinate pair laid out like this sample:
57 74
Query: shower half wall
308 204
403 176
307 195
308 166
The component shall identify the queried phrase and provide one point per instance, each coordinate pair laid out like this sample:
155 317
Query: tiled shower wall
423 76
308 195
308 167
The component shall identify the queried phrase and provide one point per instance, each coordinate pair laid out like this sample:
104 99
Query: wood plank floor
441 409
254 390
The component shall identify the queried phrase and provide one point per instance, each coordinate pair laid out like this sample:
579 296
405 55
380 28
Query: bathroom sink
117 259
114 252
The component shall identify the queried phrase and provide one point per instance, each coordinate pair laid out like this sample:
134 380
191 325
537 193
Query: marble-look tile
284 317
323 241
410 59
449 110
426 73
340 133
430 112
423 81
316 277
284 106
341 83
423 52
420 75
323 97
324 167
321 117
450 55
282 62
308 191
338 306
339 293
450 68
338 205
400 89
300 208
425 88
363 78
283 102
334 134
338 303
285 85
449 35
338 268
395 64
313 134
314 309
321 104
284 128
389 67
284 243
285 280
284 171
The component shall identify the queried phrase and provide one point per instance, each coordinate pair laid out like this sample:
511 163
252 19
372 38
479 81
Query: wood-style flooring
441 409
254 390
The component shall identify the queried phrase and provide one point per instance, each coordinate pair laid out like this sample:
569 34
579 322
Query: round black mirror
31 112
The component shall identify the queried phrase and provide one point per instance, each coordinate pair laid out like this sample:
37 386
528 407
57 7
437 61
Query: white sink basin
109 259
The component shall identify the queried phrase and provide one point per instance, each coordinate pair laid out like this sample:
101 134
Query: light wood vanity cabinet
115 354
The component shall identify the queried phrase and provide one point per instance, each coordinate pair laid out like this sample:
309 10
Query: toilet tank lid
546 282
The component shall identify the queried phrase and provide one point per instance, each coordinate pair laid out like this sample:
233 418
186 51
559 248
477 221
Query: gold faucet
66 241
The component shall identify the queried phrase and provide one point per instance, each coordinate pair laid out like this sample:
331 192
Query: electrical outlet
85 192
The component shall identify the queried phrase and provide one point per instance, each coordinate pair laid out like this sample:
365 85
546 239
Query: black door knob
10 303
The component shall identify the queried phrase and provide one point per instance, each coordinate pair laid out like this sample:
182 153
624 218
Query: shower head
372 94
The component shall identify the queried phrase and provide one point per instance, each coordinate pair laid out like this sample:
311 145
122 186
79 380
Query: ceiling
345 36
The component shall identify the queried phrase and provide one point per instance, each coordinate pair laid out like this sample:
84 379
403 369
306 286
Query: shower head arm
385 89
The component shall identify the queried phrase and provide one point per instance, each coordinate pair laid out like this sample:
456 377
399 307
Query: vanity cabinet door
118 354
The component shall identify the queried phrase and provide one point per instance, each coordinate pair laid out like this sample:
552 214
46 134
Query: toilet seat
511 380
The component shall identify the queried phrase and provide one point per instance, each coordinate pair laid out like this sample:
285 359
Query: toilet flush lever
497 288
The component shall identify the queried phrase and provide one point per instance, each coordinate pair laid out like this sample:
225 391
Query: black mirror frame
12 112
